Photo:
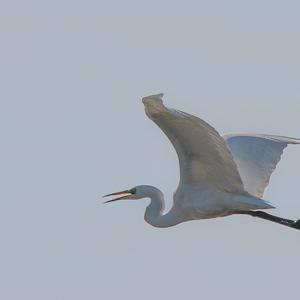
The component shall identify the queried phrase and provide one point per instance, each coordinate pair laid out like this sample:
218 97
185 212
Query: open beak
127 196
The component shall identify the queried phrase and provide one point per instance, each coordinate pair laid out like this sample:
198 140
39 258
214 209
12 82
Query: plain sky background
73 128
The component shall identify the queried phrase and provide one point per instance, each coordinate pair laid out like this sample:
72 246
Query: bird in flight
219 175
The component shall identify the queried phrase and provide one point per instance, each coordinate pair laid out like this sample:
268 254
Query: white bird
219 176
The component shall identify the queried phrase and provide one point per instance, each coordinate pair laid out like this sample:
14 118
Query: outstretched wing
256 157
203 154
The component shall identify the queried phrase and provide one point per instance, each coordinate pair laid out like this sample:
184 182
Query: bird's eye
132 191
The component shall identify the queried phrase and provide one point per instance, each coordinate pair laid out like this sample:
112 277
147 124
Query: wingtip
153 103
153 98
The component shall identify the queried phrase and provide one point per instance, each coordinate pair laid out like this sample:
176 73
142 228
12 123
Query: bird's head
138 192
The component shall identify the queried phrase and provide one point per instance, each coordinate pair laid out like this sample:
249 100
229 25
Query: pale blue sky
73 128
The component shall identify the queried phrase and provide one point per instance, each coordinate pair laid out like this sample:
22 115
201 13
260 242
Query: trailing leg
266 216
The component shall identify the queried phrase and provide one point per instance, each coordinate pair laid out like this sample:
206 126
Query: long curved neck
154 211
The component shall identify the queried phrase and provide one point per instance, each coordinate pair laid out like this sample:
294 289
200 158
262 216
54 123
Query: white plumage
219 175
256 157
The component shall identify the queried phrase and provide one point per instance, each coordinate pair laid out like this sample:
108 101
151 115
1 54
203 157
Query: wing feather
256 157
204 157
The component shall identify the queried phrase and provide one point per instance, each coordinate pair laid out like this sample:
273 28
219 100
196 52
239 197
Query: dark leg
263 215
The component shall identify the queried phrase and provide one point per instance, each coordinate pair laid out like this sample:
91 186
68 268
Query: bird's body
214 203
194 203
219 176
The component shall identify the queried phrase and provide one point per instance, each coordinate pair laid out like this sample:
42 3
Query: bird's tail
249 202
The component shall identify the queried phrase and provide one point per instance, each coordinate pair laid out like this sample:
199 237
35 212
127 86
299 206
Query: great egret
219 176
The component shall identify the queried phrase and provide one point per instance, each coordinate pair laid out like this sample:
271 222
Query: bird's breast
201 202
